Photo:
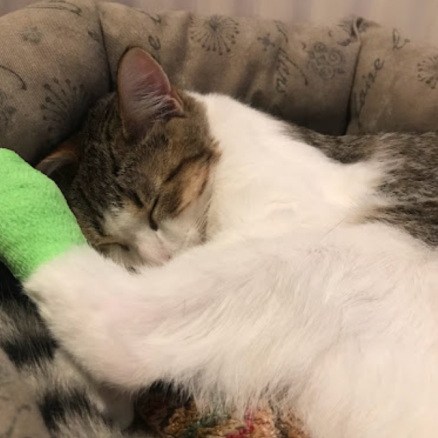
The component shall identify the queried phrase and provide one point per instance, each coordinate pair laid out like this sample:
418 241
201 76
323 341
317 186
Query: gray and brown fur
411 180
157 176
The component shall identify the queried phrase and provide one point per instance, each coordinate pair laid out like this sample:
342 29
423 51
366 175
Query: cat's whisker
333 228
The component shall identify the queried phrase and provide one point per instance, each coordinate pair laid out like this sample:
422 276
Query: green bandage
36 224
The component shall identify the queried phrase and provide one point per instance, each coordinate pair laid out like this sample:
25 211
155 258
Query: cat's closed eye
106 247
152 222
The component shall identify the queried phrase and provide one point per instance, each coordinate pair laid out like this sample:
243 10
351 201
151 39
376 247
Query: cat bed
57 57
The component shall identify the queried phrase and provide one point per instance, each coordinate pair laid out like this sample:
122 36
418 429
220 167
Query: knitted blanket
170 419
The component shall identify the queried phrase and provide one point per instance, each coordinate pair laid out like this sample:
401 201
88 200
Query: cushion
58 57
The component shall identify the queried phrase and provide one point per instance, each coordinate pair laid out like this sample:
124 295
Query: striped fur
69 402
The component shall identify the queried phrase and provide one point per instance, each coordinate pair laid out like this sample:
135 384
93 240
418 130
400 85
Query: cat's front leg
211 320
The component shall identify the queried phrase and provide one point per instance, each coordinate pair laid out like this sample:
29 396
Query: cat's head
138 174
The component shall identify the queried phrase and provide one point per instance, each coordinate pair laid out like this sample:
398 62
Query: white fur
292 300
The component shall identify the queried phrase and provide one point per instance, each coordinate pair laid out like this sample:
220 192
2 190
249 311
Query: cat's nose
157 262
164 257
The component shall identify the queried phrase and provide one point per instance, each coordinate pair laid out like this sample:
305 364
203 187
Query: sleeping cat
265 263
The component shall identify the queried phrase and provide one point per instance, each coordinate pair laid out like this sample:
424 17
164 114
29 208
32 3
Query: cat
249 261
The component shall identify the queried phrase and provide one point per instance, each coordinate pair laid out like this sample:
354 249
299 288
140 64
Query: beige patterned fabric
396 84
58 56
54 60
416 17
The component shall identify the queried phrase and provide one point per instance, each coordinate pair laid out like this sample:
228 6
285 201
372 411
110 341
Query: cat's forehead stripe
206 155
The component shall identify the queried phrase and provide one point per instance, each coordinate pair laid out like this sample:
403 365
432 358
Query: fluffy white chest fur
265 175
295 299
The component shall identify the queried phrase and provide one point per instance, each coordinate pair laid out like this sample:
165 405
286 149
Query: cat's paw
66 290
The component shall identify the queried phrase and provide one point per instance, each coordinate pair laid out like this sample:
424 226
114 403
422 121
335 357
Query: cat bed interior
57 57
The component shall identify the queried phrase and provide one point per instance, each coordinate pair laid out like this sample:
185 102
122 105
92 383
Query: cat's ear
61 165
144 92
